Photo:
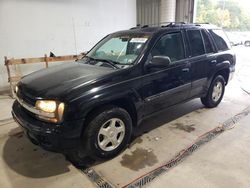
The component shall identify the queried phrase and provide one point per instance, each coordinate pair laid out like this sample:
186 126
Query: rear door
200 57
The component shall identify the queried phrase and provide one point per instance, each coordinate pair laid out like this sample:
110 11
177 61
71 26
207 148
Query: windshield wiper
113 63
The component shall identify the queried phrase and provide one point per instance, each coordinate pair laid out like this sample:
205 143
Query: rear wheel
215 92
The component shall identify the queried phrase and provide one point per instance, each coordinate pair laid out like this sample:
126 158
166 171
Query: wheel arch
223 72
222 69
123 102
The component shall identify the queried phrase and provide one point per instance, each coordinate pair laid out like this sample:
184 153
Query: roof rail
172 24
202 23
138 26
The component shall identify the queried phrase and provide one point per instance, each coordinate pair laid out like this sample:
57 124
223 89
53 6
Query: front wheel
108 132
215 92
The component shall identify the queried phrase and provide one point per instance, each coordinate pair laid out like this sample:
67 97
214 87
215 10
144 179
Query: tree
224 13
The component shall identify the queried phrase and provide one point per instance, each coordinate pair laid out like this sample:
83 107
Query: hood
59 80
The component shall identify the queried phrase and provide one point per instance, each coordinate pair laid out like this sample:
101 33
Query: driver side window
170 45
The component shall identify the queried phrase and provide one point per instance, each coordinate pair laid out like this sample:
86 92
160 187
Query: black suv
91 106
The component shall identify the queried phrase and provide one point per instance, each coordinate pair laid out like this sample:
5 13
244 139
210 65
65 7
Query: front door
163 87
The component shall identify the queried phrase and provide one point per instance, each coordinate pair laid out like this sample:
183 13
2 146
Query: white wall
30 28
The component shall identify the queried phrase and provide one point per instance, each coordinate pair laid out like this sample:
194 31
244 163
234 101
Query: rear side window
220 39
196 43
207 43
170 45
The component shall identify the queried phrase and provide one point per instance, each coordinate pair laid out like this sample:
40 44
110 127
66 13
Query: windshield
119 49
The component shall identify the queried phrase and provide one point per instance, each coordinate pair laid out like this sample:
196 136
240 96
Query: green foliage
224 13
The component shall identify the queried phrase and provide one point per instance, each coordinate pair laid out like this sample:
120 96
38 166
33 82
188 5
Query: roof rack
170 24
138 26
202 23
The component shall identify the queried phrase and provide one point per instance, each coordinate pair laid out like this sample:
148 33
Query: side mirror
159 62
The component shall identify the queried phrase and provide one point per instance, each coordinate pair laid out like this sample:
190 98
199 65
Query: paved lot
220 163
224 162
243 66
25 165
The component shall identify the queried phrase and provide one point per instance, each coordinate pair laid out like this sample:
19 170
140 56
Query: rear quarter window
220 39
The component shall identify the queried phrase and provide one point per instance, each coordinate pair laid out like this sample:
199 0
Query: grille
27 112
21 95
28 99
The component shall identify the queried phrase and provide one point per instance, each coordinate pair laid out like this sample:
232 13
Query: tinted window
170 45
207 43
220 39
196 43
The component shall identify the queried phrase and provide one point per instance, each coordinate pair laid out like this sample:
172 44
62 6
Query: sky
244 3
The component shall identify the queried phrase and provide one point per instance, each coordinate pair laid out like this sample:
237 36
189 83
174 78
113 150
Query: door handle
213 61
185 70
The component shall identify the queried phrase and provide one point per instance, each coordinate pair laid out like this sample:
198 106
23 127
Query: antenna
74 32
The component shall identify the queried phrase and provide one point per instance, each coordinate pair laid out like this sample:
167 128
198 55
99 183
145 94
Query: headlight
53 110
46 106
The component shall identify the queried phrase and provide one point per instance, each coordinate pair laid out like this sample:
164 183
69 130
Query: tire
108 120
215 92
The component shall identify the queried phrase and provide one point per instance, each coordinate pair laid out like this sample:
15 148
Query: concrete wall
148 12
185 10
30 28
155 11
168 9
158 11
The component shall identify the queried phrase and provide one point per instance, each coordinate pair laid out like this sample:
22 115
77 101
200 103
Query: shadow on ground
30 160
165 116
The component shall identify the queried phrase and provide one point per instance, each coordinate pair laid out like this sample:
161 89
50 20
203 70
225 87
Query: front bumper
231 73
50 136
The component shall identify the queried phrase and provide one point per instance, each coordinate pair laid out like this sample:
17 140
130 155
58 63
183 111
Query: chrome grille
32 109
26 98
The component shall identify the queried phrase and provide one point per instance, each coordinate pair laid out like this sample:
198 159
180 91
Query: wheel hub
111 134
217 91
